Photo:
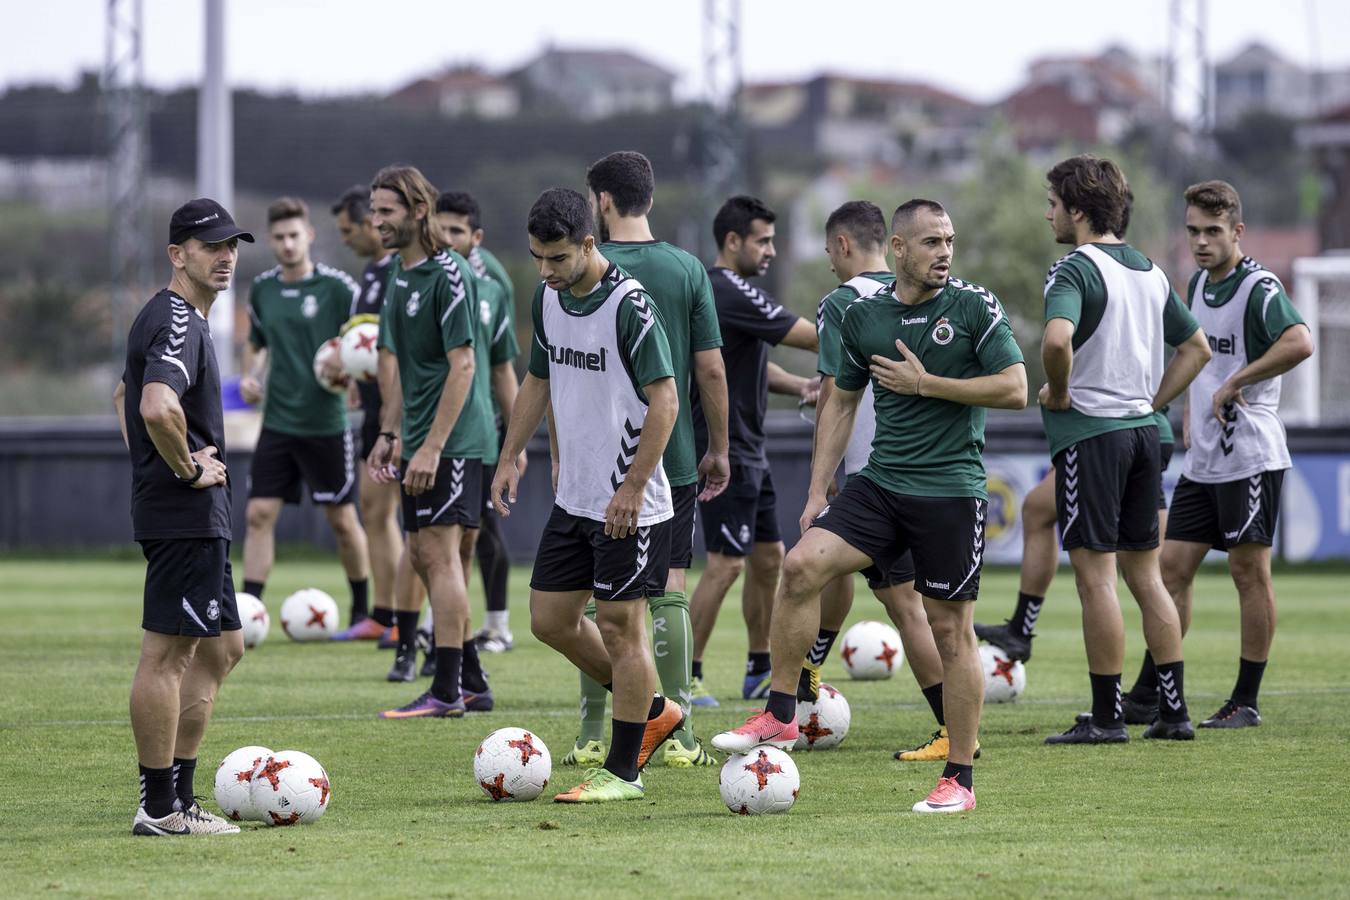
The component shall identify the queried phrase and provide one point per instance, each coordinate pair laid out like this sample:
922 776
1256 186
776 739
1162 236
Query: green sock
673 646
593 698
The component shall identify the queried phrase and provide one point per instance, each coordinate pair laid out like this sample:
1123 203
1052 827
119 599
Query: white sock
498 621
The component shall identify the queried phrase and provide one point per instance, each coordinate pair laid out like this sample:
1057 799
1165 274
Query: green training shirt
291 320
829 313
494 344
485 263
430 310
679 287
925 446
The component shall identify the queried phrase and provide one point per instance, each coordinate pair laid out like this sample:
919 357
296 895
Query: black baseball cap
206 220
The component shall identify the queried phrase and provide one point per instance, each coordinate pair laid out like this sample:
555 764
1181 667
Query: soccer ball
360 358
512 764
329 350
309 615
765 780
234 779
1004 679
872 651
254 616
289 788
823 724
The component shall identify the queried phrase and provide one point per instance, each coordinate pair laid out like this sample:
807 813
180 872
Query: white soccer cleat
191 821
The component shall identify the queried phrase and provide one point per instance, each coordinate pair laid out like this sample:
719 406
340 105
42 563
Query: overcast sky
979 48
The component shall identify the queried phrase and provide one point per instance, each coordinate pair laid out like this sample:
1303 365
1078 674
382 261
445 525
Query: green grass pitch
1258 812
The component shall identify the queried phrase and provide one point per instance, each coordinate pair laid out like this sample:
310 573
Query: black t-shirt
170 342
750 320
371 301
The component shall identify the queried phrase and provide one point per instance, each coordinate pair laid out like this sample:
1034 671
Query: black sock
696 669
756 663
964 775
1146 685
407 630
360 598
933 694
1106 711
1248 682
183 770
625 740
384 616
782 706
820 650
157 791
253 587
471 673
1028 610
1172 692
445 686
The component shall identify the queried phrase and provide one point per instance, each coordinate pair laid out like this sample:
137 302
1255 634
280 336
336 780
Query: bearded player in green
621 188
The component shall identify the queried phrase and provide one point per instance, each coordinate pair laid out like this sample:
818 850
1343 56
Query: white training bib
865 419
597 411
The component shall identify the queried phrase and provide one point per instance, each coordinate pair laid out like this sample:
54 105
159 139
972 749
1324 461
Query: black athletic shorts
575 554
455 497
282 463
685 500
189 588
1107 489
1164 460
945 536
370 432
900 572
743 515
1227 514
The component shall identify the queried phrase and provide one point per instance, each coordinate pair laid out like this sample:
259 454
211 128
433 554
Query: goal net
1318 391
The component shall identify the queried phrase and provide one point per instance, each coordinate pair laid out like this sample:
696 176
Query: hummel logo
605 585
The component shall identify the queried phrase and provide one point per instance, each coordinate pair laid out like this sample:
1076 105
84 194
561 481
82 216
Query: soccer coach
168 404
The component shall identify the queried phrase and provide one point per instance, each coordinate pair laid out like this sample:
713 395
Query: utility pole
129 238
215 161
723 143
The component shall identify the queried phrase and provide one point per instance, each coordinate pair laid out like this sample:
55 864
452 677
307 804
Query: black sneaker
405 666
1233 715
1003 637
429 664
1085 731
1170 731
1139 712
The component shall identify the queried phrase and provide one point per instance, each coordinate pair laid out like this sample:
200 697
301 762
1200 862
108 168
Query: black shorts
743 515
1227 514
283 462
1164 460
189 588
945 536
575 555
1107 489
685 500
455 497
370 423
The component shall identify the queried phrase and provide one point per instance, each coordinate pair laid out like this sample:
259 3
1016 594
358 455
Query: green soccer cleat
592 753
677 757
602 786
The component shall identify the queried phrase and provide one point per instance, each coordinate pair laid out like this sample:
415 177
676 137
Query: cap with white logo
206 220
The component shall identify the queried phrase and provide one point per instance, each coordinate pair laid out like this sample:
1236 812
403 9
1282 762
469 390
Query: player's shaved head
862 221
907 214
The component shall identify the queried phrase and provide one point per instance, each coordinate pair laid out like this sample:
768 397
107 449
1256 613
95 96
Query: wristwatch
195 477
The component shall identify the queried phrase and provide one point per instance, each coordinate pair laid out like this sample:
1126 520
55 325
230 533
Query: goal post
1318 392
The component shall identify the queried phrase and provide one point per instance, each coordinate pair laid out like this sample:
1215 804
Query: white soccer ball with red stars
512 764
253 615
360 357
765 780
309 615
328 355
234 781
1004 679
872 651
290 788
824 723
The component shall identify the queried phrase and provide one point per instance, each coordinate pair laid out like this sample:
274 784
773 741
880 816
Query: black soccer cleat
405 666
1233 715
1085 731
1016 647
429 665
1139 712
1170 731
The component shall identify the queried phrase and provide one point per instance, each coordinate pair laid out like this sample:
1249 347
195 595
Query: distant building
1328 137
863 122
1257 79
460 91
593 84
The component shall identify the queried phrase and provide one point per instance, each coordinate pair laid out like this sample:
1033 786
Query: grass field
1256 812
